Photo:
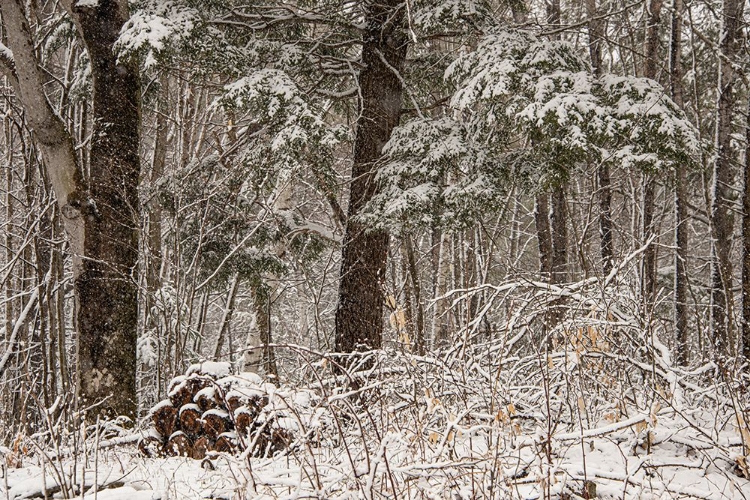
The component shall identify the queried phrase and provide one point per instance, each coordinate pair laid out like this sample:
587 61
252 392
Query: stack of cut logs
210 410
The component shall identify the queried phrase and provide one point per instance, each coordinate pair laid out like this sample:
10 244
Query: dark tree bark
100 212
746 244
262 305
107 288
651 68
360 303
543 234
559 225
415 289
681 235
605 218
723 177
596 36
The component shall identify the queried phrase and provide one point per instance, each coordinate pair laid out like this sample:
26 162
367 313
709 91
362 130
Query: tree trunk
100 213
259 356
648 266
543 235
107 290
559 225
596 35
414 289
723 177
605 218
746 244
681 235
154 212
651 67
227 316
440 319
360 303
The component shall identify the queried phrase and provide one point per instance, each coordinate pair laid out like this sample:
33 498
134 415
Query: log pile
210 410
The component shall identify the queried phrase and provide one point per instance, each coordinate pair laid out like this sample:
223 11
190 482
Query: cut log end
179 445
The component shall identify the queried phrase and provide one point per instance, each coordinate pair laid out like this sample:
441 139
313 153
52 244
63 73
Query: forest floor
407 435
592 408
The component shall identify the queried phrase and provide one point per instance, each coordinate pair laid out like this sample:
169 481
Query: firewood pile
210 410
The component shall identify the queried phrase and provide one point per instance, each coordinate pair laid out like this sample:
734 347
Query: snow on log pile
208 409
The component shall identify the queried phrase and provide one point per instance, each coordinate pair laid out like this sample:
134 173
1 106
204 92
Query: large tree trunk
107 290
360 303
681 235
723 177
101 212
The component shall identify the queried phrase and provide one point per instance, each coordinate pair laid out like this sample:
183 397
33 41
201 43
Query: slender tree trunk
651 67
681 235
259 356
543 234
559 225
596 36
8 237
723 178
648 265
746 244
262 304
440 335
227 316
558 215
154 263
607 247
360 302
416 291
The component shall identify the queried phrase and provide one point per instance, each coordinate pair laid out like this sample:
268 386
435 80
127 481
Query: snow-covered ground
366 444
594 408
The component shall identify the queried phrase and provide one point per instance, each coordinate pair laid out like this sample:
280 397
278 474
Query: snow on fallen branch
601 431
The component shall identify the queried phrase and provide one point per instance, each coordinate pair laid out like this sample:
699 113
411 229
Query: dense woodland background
502 179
